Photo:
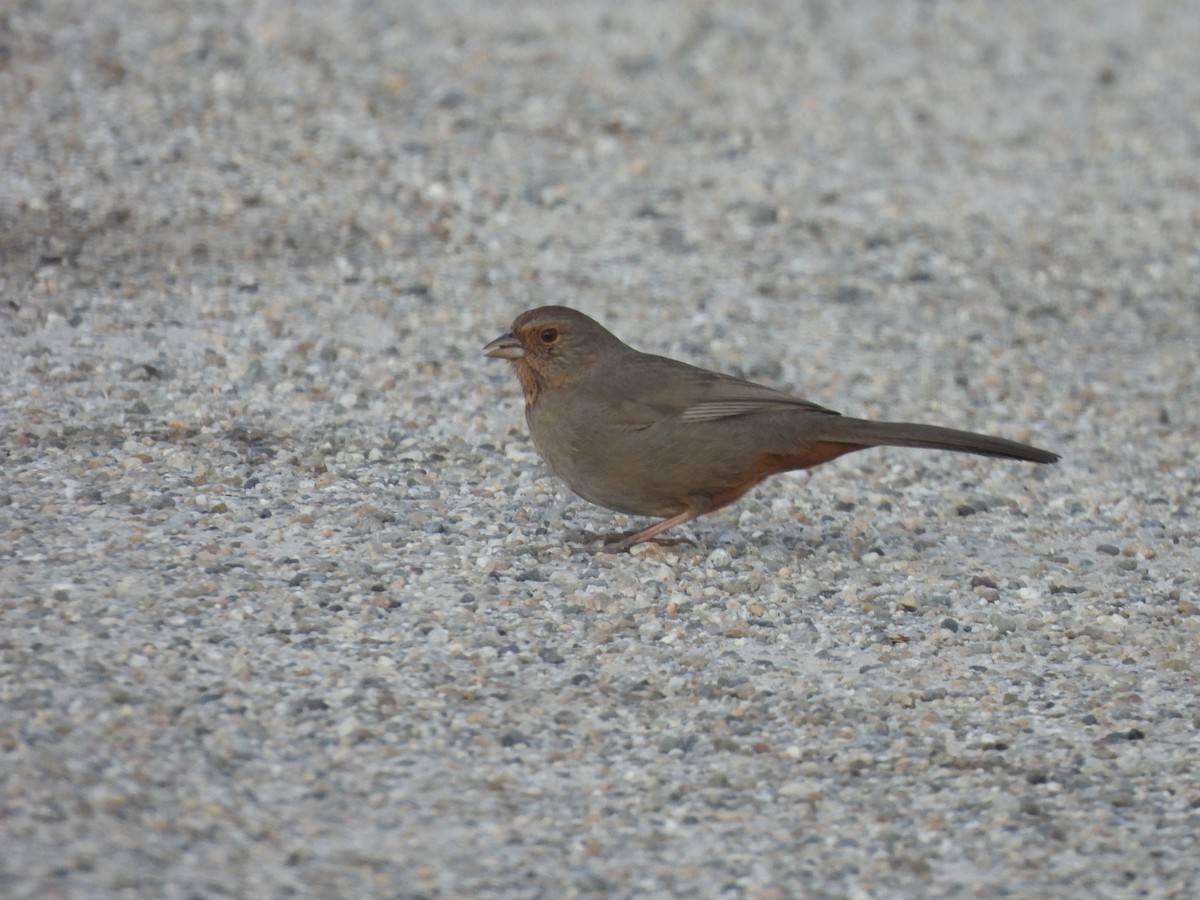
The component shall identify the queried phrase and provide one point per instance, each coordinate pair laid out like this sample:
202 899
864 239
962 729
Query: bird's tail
864 433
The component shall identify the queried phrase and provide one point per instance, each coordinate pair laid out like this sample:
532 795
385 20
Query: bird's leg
647 534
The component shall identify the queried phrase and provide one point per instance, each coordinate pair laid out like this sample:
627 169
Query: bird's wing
685 393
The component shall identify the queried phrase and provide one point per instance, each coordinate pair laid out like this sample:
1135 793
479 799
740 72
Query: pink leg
653 531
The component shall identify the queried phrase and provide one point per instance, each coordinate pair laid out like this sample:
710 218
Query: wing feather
711 410
683 393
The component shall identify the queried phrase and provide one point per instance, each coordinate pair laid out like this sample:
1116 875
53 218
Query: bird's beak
505 347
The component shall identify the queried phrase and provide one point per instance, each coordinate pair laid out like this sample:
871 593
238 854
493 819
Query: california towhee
651 436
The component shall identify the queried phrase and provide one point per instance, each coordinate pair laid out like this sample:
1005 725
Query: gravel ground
290 607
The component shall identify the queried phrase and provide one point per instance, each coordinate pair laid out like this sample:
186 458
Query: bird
647 435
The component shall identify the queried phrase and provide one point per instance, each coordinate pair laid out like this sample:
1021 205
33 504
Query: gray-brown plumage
651 436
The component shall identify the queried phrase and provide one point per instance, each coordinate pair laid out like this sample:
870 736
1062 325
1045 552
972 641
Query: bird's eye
549 335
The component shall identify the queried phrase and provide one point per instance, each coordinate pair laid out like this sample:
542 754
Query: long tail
864 433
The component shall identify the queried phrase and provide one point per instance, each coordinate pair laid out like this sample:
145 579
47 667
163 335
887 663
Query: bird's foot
623 541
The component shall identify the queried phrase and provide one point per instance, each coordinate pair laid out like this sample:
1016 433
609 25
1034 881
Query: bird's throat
531 382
